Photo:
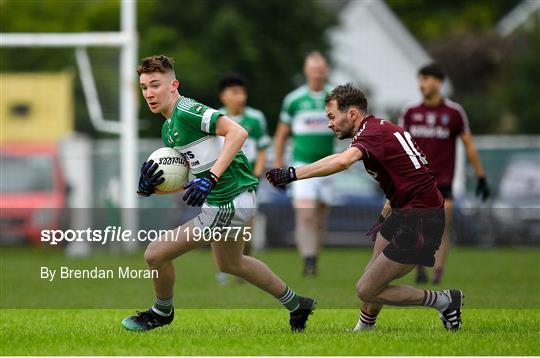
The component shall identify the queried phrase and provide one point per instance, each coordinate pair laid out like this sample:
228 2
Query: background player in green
224 187
303 116
233 95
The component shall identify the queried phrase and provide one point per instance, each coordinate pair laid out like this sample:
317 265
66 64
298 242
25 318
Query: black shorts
413 235
446 191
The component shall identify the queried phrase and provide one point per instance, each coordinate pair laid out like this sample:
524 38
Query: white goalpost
127 127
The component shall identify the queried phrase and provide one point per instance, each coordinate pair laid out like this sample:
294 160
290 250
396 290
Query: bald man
303 116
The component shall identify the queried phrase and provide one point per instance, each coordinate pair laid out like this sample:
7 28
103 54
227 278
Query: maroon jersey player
435 124
412 221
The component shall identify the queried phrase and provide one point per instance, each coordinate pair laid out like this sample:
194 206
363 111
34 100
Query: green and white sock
289 299
163 307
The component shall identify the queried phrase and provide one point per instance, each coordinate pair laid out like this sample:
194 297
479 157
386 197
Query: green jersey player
233 95
303 116
224 187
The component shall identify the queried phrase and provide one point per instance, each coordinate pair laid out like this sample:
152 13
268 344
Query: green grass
264 332
501 316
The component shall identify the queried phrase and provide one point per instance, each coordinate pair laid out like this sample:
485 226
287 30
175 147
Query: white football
175 168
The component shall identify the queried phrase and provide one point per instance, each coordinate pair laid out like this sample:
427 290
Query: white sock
436 299
365 322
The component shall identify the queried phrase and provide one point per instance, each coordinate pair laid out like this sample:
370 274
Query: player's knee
364 291
307 218
231 268
308 221
152 256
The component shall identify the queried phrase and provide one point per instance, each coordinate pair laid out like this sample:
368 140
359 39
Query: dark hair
230 80
434 70
346 96
157 63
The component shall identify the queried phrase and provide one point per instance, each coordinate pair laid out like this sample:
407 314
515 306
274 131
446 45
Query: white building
371 48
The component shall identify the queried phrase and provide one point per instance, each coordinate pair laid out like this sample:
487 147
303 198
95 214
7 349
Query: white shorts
318 189
233 214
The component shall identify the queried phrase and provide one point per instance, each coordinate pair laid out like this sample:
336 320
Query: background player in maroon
412 229
435 124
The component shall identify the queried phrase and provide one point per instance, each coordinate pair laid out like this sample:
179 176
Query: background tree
496 79
265 40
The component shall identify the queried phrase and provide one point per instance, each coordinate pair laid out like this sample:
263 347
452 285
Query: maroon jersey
435 130
393 159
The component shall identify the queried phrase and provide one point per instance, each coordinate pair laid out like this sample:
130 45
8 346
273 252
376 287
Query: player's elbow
241 134
237 135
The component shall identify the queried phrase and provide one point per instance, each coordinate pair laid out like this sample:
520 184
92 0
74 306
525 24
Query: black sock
310 261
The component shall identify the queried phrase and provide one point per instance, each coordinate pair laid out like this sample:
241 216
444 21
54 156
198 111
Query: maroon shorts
413 235
446 191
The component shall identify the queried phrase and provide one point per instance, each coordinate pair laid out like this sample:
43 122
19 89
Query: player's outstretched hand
372 232
197 190
280 177
482 188
149 179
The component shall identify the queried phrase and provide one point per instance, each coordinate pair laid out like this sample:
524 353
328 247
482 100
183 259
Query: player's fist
197 190
482 188
280 177
149 179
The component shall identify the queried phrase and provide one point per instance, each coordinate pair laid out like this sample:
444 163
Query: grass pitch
501 316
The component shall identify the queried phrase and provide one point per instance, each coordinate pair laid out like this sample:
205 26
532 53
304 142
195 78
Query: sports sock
310 261
289 299
435 299
366 320
163 307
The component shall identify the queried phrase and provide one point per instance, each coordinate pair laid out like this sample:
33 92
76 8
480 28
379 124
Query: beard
429 93
347 132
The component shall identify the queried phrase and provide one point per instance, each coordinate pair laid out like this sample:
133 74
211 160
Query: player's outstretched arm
326 166
235 136
329 165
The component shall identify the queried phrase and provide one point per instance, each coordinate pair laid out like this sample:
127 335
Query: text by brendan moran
123 272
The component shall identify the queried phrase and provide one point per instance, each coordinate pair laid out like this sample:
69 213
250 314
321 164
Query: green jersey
254 123
192 131
304 111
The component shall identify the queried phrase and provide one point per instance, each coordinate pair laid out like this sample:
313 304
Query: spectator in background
303 116
233 96
435 124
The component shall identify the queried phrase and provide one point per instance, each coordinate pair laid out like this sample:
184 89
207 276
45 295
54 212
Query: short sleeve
368 142
359 145
200 116
285 116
